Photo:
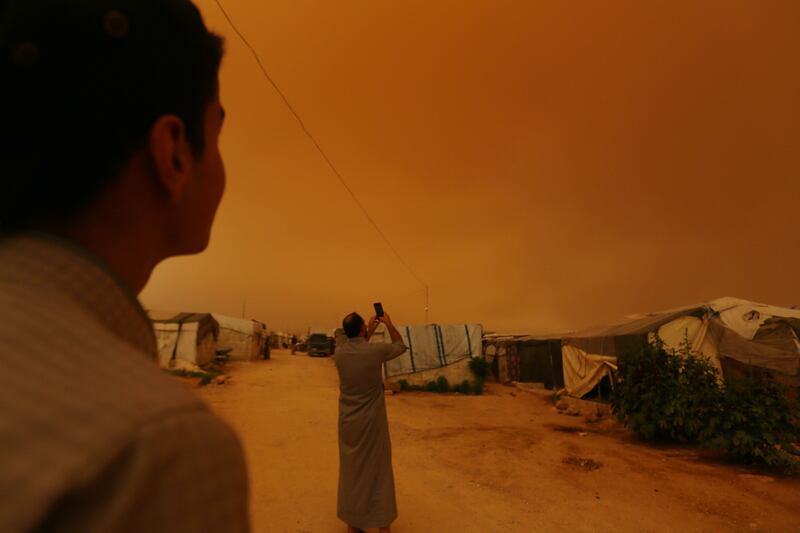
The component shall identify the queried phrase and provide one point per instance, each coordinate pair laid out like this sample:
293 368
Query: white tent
185 340
730 332
245 338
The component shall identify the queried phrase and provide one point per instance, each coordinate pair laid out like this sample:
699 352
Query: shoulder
79 404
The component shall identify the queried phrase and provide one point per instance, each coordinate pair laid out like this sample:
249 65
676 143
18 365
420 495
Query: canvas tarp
583 371
244 338
754 334
185 339
435 346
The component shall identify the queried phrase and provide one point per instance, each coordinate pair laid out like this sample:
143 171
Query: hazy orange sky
542 165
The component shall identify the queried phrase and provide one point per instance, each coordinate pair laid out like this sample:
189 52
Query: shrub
432 386
758 423
464 388
479 368
666 395
442 385
676 396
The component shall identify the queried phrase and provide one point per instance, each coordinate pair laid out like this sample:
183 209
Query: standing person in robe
366 481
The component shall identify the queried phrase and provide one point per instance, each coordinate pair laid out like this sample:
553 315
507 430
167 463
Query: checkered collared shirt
93 436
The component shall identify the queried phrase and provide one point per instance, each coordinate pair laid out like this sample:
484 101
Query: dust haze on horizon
542 166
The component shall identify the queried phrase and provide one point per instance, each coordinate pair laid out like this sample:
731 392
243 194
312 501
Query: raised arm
397 347
371 326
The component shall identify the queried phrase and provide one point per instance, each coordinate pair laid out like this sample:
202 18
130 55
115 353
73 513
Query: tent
185 340
733 334
434 347
526 358
244 338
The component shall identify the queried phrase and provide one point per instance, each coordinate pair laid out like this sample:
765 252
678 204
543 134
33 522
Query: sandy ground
482 464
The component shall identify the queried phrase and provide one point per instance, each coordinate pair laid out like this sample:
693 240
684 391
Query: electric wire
317 145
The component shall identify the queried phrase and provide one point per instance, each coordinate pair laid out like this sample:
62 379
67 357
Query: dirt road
482 464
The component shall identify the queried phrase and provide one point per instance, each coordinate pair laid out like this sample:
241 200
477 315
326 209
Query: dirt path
481 464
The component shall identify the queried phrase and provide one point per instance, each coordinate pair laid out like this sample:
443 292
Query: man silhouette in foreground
109 123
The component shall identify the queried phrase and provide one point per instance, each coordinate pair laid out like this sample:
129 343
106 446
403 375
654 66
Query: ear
171 154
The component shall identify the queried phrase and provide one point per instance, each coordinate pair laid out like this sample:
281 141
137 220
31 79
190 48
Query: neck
128 258
130 252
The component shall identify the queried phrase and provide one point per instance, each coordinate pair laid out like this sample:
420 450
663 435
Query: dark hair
352 325
83 82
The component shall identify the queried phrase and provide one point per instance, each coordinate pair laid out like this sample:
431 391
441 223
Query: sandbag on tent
435 346
758 335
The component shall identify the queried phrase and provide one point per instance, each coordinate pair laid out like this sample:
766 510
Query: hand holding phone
378 310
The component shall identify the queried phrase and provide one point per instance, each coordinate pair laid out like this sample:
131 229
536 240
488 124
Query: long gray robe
366 480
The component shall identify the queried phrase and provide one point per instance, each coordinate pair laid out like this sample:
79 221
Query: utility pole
427 304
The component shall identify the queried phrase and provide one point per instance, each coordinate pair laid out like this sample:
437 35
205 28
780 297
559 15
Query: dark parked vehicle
319 345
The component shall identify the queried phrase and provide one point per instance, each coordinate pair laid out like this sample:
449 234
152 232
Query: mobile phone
378 309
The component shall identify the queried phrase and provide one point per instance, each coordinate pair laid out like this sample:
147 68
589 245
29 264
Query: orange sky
543 165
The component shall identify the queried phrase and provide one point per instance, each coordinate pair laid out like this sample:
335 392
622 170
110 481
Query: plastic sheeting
752 334
583 371
435 346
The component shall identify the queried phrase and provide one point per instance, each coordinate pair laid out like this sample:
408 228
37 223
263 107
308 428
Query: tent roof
166 317
241 325
645 323
519 337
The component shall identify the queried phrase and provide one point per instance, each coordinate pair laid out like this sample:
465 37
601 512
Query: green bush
666 396
757 423
479 368
464 388
442 385
676 396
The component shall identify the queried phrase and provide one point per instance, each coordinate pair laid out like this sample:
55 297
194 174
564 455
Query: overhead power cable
318 147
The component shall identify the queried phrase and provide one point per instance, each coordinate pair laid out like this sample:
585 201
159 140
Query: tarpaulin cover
754 334
435 346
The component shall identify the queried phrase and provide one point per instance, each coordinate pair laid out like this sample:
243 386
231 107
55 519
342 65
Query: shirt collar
47 262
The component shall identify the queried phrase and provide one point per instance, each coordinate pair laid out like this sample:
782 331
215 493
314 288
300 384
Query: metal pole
427 304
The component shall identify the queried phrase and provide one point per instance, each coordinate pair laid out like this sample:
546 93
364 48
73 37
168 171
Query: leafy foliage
442 385
758 423
479 368
676 396
666 396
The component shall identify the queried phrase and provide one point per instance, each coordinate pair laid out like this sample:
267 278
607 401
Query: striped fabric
93 436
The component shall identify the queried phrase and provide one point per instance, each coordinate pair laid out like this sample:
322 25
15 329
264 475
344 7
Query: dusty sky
542 165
